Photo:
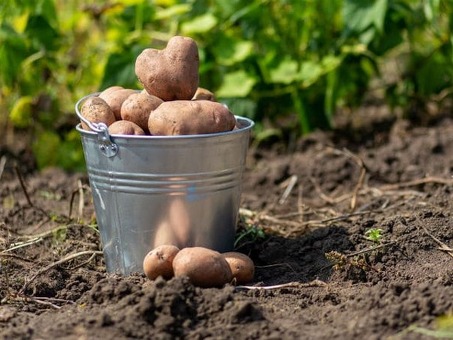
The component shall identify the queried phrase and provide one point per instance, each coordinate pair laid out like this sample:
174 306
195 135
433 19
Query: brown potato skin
204 267
115 99
125 127
242 266
171 73
96 110
110 89
203 94
159 262
190 117
137 108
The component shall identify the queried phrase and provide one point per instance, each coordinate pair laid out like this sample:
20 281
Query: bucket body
154 190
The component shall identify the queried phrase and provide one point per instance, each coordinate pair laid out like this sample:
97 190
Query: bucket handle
106 145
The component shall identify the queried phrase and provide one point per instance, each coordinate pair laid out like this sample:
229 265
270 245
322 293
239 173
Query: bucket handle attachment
106 145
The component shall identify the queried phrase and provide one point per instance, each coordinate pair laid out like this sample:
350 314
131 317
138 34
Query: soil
350 231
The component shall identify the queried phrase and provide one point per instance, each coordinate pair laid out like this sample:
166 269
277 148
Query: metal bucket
153 190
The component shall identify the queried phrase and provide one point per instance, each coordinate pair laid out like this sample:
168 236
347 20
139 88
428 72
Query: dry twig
291 183
80 190
27 196
22 184
277 265
46 301
19 245
363 170
57 263
314 283
442 245
15 257
415 182
51 232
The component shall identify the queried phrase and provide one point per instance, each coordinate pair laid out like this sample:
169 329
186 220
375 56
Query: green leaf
45 149
330 62
41 33
20 114
199 24
13 50
286 72
172 12
236 84
431 9
70 153
302 112
434 74
229 51
120 69
241 106
46 8
360 15
309 73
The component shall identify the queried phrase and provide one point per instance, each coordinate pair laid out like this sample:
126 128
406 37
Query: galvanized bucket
153 190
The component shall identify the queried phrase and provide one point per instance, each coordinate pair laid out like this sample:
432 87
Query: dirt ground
351 232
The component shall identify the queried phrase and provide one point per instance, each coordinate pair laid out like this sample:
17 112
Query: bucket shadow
280 260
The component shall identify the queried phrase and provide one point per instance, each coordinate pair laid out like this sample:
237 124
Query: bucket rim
245 124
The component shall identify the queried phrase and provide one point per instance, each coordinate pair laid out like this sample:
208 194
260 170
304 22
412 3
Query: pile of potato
171 103
203 266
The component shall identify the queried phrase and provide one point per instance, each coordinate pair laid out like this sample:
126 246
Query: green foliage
443 329
374 234
287 64
248 233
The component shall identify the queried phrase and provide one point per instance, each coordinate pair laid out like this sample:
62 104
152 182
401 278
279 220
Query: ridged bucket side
183 191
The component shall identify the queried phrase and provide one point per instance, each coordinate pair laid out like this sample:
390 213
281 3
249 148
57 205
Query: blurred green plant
249 234
287 64
443 329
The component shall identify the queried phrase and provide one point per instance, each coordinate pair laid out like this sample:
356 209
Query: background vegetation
284 63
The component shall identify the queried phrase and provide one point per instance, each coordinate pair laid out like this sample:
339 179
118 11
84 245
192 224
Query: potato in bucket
139 181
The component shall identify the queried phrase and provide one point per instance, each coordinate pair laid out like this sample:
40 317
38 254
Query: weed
341 261
249 234
374 234
443 329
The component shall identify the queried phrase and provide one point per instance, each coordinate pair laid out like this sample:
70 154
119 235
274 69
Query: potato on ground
159 262
242 266
115 99
96 110
171 73
125 127
190 117
137 108
204 267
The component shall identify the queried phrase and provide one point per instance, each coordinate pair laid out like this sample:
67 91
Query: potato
204 267
203 94
188 117
125 127
110 89
242 266
137 108
115 99
159 262
96 110
171 73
